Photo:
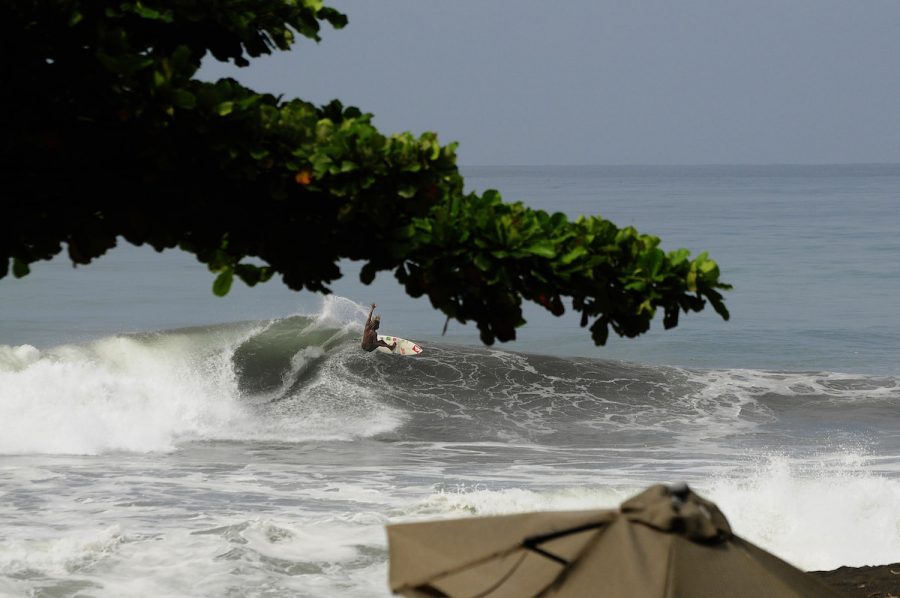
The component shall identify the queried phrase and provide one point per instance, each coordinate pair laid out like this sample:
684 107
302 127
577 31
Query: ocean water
158 441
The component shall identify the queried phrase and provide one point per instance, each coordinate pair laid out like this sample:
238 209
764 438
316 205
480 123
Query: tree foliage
108 135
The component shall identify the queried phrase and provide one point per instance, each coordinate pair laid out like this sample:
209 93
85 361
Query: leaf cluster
477 258
108 135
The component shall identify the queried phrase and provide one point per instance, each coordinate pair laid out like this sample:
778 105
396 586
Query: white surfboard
404 347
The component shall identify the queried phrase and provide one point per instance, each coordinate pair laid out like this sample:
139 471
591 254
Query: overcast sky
613 81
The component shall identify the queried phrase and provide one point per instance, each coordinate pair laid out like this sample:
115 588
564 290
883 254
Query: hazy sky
614 81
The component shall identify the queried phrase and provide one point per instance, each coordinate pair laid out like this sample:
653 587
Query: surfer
370 340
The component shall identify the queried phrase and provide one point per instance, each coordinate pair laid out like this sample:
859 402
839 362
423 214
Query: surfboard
404 347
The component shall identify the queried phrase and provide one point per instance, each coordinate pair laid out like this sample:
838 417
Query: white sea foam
59 554
477 500
817 515
148 393
117 393
285 555
143 395
294 527
744 385
13 359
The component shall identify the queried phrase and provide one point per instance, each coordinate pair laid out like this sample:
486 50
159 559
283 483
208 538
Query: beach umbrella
666 542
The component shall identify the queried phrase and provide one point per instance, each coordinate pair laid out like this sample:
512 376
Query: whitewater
232 455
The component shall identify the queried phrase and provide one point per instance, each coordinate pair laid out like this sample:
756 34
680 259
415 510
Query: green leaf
124 64
710 267
652 261
146 12
626 234
20 268
599 332
716 299
225 108
543 249
367 273
691 281
678 256
184 99
223 282
670 319
482 263
321 164
636 285
250 274
573 255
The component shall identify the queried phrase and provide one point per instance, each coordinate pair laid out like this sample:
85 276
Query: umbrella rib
529 543
466 565
503 579
513 569
549 555
532 542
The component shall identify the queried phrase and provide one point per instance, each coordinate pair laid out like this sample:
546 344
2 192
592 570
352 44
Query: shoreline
878 581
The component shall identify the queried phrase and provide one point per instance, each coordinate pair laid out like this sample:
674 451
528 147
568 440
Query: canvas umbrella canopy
666 542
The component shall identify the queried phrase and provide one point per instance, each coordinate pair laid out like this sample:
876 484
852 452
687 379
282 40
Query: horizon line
671 164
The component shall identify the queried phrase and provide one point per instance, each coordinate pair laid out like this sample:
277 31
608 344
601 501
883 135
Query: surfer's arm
369 319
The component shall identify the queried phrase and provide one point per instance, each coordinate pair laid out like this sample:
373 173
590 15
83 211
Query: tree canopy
108 134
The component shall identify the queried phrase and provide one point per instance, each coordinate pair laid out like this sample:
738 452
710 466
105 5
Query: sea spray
341 312
819 513
812 515
118 393
14 359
